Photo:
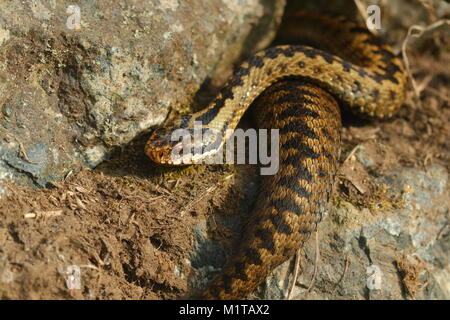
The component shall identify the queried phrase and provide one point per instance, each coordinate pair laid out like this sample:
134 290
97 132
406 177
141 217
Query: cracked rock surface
77 82
405 250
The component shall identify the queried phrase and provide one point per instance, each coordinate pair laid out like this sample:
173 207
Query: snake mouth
171 156
164 155
161 149
159 158
156 153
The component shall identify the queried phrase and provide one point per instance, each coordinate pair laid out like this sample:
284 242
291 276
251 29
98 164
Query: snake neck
371 82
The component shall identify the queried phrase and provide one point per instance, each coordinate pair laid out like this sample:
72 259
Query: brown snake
295 89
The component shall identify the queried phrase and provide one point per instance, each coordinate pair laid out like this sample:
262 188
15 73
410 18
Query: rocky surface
397 248
405 245
139 231
77 82
388 238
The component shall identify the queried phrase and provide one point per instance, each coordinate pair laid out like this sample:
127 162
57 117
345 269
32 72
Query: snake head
177 143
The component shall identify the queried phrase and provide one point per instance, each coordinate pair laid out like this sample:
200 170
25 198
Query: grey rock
353 242
72 90
363 157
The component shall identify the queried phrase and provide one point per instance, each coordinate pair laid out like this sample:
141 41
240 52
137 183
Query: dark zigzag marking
298 111
375 93
209 115
346 66
357 86
327 154
392 94
375 41
272 52
255 61
226 93
301 128
280 224
389 55
313 53
227 282
239 268
359 29
309 52
297 84
329 134
295 160
283 68
289 52
292 119
293 184
296 97
253 256
305 151
266 237
322 173
287 204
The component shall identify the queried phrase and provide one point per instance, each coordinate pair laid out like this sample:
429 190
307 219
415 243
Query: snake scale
296 89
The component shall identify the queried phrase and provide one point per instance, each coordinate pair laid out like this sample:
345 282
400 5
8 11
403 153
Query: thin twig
361 9
352 153
43 214
296 270
192 203
346 265
316 262
420 32
23 153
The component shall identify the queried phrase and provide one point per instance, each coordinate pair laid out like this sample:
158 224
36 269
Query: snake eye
177 149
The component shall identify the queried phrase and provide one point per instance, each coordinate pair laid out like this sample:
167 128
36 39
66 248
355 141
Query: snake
299 89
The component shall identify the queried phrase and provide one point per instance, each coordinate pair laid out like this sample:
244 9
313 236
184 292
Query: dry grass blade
43 214
316 262
296 270
416 31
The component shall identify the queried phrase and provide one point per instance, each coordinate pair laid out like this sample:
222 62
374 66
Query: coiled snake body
295 88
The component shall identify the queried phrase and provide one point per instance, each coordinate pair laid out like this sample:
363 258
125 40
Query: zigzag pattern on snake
296 89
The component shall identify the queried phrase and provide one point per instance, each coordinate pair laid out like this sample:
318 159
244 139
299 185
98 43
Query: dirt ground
128 223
